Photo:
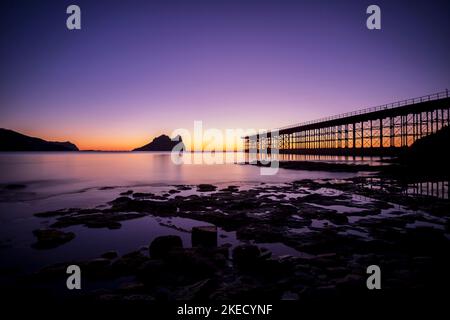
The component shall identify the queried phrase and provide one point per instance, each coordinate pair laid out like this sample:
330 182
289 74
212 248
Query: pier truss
382 130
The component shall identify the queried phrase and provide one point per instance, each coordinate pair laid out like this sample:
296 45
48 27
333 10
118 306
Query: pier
383 130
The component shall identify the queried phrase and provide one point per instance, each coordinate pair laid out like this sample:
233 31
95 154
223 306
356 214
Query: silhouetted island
161 143
14 141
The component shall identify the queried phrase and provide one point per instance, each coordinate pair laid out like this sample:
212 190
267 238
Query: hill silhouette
161 143
14 141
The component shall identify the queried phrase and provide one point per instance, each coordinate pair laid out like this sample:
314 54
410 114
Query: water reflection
438 189
322 158
58 172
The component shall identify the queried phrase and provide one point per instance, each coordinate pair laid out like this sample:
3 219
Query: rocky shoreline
338 227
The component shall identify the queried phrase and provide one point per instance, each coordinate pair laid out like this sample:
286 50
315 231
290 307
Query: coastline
336 226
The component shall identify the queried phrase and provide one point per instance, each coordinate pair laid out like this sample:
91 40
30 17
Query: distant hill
14 141
161 143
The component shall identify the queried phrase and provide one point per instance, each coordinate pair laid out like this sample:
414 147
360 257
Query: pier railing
392 105
380 130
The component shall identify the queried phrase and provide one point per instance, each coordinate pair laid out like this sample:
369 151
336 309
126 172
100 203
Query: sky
138 69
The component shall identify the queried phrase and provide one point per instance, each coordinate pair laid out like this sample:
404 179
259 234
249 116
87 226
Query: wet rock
243 204
287 209
337 218
230 189
395 240
191 264
366 212
265 253
106 188
132 287
56 213
143 207
110 255
5 243
183 187
154 271
183 266
120 200
198 290
96 268
14 186
163 294
205 236
246 256
49 273
103 224
289 295
161 246
51 238
99 219
126 193
351 281
98 263
129 263
143 195
424 240
204 187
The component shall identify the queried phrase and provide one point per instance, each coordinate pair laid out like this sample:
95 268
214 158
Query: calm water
51 181
48 173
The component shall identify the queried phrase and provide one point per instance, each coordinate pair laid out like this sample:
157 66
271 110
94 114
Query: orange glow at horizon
124 143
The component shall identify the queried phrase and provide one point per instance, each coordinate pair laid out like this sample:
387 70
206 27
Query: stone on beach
126 193
246 256
161 246
110 255
206 187
51 238
204 236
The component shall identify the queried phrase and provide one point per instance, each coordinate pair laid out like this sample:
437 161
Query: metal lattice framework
381 130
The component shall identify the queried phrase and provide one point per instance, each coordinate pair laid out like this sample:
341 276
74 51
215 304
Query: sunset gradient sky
138 69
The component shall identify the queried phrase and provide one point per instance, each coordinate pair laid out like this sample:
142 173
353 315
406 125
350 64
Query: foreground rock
206 187
161 246
338 228
51 238
205 236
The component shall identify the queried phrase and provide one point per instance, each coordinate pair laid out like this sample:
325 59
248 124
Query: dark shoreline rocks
51 238
336 235
320 166
163 245
206 187
204 236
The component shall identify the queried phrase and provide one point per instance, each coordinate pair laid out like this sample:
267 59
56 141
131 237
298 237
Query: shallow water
46 173
36 182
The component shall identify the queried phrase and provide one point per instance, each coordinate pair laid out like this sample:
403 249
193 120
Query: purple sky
141 68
